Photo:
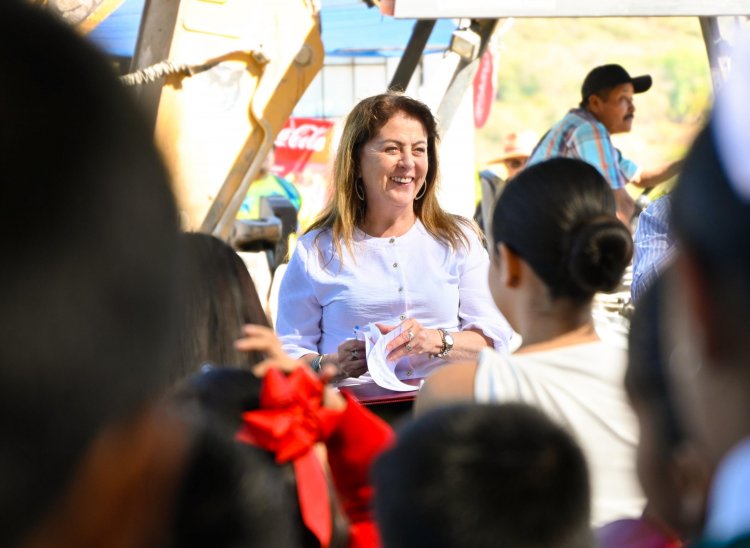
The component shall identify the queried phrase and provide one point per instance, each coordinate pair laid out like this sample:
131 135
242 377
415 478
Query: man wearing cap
606 108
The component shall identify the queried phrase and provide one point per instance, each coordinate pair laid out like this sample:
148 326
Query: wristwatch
316 363
447 343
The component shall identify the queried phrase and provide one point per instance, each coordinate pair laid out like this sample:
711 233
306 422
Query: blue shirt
580 135
654 245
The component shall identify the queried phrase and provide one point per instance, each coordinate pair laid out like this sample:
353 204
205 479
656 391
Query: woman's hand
414 339
262 339
351 358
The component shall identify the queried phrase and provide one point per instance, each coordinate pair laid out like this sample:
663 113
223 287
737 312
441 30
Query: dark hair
481 476
712 224
231 496
646 375
88 241
559 216
218 297
603 94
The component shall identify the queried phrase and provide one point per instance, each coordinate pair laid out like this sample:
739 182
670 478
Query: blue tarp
350 29
118 33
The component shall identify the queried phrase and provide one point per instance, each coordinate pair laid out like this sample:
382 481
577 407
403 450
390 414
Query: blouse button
395 265
409 373
392 240
400 289
402 316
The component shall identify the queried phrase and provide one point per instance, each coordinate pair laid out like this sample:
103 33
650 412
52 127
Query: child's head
481 475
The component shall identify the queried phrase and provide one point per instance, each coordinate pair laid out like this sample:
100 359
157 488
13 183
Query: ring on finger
410 334
409 347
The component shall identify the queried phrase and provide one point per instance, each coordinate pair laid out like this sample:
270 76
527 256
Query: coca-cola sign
305 136
300 140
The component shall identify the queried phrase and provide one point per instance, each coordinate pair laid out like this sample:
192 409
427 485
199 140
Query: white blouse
388 280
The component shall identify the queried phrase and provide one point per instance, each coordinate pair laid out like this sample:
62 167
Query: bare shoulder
453 383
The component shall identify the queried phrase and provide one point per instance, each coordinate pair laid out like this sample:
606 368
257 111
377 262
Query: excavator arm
218 79
215 125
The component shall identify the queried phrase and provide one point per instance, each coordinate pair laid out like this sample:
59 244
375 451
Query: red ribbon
290 421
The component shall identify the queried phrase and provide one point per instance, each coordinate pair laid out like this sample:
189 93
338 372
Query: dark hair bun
600 251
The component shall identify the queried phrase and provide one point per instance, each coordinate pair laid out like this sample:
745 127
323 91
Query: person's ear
594 104
510 266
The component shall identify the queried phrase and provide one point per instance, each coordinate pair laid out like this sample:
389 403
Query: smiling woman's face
393 164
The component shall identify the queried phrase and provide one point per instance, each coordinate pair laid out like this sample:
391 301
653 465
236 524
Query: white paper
381 369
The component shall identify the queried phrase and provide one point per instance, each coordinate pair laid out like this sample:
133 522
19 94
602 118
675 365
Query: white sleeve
476 309
299 312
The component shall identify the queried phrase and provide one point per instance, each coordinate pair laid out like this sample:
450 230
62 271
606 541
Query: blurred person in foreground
673 477
707 304
606 108
483 476
90 457
555 243
385 251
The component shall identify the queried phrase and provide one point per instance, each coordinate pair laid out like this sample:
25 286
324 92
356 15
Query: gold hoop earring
360 192
423 190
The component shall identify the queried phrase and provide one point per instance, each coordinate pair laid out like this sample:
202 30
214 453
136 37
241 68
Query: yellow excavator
218 78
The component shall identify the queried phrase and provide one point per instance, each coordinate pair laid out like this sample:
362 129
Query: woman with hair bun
557 242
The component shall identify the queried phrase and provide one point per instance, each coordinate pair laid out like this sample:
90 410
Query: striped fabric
654 246
580 135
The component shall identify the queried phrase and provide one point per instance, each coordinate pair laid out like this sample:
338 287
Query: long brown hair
345 211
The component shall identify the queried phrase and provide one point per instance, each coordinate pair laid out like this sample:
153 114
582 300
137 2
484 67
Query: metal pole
464 74
718 59
412 54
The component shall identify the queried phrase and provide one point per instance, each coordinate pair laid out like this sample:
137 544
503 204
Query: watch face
449 340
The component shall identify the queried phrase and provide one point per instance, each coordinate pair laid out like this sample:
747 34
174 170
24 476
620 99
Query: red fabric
291 420
352 448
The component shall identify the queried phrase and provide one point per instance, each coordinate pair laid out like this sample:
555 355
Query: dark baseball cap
608 76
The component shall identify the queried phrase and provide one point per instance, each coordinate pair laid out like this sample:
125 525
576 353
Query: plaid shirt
654 246
580 135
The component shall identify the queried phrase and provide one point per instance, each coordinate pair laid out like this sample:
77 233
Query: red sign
304 156
298 141
484 90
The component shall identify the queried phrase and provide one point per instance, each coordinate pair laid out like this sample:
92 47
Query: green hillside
542 63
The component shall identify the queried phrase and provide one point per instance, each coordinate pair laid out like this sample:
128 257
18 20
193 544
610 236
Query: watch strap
446 347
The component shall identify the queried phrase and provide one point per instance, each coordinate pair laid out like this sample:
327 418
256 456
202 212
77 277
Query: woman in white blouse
385 251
